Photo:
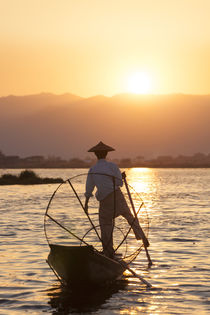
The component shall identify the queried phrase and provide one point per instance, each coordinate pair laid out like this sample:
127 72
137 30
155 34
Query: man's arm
86 204
89 189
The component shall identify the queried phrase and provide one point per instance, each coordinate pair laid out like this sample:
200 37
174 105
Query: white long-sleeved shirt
103 183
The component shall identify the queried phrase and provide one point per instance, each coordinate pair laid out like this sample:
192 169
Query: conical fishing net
66 222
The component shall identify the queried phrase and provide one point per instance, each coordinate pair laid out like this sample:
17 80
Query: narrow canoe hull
76 265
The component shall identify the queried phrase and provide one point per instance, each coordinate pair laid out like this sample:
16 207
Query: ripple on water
179 236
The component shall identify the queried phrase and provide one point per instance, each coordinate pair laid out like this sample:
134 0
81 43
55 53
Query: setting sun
139 83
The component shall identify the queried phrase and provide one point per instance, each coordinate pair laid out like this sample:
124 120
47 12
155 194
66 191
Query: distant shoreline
133 166
27 177
198 160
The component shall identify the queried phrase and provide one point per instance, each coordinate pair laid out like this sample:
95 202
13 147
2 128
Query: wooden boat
75 265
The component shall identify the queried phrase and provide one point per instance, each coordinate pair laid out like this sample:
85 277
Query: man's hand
123 175
86 205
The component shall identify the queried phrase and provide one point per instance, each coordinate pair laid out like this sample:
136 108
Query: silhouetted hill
67 125
16 106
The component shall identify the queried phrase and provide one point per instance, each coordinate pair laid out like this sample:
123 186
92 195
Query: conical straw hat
101 147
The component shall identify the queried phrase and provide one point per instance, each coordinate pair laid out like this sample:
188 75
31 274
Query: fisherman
105 176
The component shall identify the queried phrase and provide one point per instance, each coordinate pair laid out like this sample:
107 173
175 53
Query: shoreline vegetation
27 177
198 160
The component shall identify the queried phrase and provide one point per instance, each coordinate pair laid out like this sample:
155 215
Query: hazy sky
89 47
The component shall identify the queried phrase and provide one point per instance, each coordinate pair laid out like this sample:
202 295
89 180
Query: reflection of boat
83 265
81 300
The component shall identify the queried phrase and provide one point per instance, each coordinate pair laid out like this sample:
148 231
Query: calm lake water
178 203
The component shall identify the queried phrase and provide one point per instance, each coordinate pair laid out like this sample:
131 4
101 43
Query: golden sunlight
139 83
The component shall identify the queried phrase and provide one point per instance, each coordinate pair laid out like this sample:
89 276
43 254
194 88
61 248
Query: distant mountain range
68 125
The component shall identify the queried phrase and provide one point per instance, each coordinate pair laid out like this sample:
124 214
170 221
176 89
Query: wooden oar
139 277
144 238
123 263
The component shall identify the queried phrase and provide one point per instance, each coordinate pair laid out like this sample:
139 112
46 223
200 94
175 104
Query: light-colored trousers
107 213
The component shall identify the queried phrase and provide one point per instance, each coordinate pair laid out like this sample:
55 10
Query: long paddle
144 238
124 264
139 277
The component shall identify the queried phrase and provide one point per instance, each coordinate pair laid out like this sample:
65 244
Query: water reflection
141 179
64 300
145 182
178 203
